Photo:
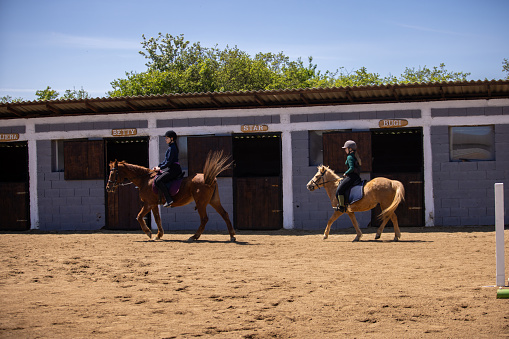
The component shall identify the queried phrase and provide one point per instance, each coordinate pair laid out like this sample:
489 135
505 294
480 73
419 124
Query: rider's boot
341 204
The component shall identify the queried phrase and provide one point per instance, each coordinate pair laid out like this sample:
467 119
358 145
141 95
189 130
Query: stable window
84 160
471 143
315 148
57 156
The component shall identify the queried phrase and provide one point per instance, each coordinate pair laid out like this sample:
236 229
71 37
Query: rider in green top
351 176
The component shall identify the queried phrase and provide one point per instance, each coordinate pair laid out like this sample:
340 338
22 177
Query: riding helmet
171 134
350 144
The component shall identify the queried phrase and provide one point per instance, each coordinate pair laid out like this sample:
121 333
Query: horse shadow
199 241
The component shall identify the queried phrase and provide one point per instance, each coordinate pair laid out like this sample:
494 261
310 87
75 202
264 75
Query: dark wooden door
410 212
14 206
14 193
198 149
123 208
334 155
257 181
258 203
124 204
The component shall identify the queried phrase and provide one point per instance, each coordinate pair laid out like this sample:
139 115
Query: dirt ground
284 284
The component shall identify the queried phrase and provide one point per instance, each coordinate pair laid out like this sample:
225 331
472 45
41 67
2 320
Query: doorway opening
14 192
257 181
123 206
398 154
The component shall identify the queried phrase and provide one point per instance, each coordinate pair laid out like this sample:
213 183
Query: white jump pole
499 233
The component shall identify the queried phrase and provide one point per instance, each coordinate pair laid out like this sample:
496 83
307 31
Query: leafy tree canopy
46 94
174 65
51 94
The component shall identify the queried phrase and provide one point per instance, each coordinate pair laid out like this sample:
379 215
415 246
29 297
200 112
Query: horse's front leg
355 225
144 210
330 222
157 218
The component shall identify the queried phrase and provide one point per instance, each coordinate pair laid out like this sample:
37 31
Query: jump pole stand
499 233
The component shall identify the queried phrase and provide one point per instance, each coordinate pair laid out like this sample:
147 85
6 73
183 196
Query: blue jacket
170 157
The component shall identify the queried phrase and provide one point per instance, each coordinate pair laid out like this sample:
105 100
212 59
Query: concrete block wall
73 205
312 210
87 126
464 191
390 114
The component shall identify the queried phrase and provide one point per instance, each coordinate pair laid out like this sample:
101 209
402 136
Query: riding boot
162 187
341 203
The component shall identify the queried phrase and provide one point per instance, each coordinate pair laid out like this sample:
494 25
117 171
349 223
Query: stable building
448 143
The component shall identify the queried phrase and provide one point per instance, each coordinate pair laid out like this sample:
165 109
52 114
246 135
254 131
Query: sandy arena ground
283 284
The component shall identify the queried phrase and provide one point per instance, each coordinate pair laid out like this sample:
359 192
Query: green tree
8 99
47 94
505 68
174 65
74 94
437 74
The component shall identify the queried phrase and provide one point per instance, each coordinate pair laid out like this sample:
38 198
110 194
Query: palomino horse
202 188
388 193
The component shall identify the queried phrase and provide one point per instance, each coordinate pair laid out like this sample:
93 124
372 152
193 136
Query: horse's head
318 180
113 179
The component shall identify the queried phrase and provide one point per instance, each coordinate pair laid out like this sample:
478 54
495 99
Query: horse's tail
216 163
398 198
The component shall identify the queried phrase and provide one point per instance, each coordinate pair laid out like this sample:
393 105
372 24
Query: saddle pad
173 186
356 192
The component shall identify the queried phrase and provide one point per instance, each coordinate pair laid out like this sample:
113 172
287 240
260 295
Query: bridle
317 182
114 183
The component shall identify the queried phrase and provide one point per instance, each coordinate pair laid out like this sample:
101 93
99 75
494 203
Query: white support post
499 233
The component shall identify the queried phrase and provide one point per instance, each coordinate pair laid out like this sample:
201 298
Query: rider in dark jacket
169 167
351 176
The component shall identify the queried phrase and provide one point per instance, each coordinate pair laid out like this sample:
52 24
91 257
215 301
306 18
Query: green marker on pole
503 293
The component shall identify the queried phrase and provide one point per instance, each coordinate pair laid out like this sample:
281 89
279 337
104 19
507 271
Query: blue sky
87 44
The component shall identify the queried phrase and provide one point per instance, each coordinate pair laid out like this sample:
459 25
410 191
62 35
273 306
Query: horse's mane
322 168
136 169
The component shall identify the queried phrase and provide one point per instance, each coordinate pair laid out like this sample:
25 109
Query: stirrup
340 208
168 203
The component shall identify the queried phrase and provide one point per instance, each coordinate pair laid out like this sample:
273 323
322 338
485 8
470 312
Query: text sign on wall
124 132
254 128
9 136
391 123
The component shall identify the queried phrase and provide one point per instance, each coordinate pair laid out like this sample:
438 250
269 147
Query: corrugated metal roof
260 99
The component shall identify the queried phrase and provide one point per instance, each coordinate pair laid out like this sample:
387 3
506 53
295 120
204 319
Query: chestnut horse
388 193
202 188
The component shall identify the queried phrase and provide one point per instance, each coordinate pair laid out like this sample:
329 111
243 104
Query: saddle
355 193
173 185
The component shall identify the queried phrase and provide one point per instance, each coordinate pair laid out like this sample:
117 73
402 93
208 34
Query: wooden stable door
14 193
258 203
257 181
334 155
14 206
123 208
411 211
124 204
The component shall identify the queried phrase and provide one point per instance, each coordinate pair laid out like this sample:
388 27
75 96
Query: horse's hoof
149 235
357 238
233 239
191 239
325 237
377 236
396 239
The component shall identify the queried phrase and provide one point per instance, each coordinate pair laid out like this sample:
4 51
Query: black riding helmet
171 134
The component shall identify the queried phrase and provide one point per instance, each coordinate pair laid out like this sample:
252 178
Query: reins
116 184
322 177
